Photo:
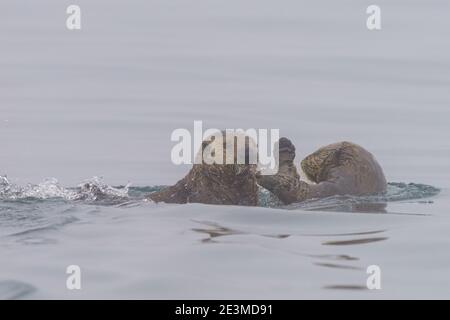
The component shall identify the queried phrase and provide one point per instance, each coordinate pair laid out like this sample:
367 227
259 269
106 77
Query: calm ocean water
103 101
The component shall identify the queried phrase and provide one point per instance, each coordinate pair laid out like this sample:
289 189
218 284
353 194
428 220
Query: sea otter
231 182
342 168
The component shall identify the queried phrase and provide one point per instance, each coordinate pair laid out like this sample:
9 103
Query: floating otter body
212 184
232 184
345 168
342 168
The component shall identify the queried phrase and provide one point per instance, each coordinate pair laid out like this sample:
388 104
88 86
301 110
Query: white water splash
89 190
95 189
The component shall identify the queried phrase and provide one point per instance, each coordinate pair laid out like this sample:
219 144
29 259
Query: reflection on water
353 241
37 241
214 230
337 257
337 266
10 289
337 261
345 287
344 234
341 204
369 204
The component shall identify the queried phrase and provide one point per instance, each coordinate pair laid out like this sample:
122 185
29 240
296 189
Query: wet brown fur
229 184
342 168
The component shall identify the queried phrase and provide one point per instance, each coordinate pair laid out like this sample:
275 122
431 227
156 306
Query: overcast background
104 100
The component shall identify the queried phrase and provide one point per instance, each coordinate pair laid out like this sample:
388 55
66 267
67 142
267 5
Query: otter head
227 168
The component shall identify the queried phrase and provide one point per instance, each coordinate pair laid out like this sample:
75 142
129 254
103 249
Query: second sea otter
342 168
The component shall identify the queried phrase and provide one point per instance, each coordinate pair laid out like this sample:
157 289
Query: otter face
228 148
227 173
234 153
